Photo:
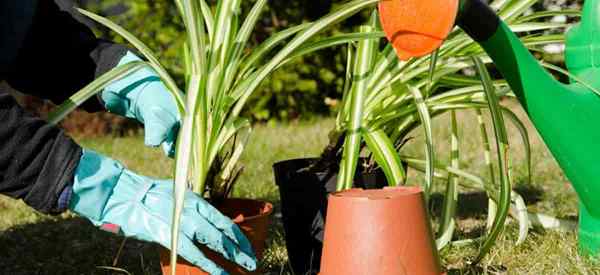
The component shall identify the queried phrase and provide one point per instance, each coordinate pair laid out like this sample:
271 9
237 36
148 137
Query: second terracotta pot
379 232
253 219
304 205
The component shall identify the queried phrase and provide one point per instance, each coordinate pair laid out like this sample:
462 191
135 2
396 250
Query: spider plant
386 100
221 74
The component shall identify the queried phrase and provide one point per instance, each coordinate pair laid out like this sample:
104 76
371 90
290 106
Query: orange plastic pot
251 216
417 27
379 232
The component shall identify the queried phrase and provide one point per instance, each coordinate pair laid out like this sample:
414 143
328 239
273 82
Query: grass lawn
34 244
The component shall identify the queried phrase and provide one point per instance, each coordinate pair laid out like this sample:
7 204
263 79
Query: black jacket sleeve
60 55
56 57
37 160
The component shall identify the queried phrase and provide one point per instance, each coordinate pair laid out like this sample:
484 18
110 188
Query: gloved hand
107 193
142 96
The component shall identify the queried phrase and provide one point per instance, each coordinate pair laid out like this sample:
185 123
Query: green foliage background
306 87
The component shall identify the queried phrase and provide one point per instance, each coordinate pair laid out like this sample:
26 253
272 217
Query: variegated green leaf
92 89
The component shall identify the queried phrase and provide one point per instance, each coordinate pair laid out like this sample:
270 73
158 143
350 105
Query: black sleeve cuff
57 173
37 160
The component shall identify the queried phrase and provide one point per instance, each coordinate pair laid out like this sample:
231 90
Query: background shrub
307 87
304 88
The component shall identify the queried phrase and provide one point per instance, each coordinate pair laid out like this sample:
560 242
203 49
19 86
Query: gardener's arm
45 168
59 55
39 164
48 53
37 160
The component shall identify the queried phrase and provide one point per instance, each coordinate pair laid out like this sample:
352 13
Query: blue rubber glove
107 193
142 96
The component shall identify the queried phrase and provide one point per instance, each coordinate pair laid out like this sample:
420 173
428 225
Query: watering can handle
583 40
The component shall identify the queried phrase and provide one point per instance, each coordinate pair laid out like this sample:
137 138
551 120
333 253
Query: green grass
34 244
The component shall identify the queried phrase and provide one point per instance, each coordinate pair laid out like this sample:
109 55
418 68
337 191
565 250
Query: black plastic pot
304 206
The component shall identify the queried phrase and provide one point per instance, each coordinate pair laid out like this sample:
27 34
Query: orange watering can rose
417 27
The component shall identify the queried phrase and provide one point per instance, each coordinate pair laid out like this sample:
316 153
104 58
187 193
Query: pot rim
293 160
379 194
266 209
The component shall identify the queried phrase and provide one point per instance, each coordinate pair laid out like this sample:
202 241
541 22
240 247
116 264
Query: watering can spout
565 115
518 66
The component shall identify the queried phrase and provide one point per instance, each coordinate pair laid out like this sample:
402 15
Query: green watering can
566 116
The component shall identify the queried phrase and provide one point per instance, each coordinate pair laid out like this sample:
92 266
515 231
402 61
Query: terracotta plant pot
303 208
251 216
382 232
